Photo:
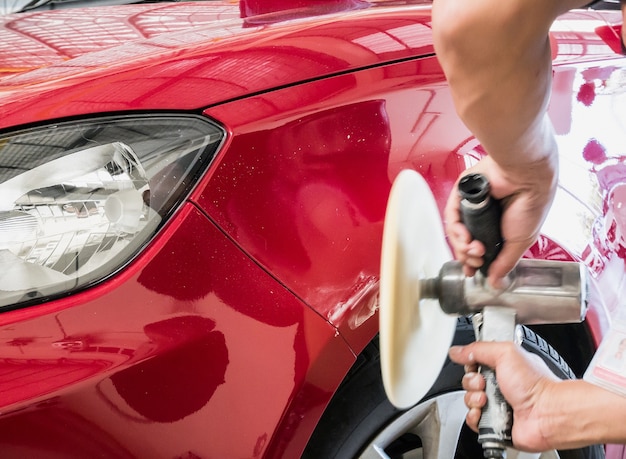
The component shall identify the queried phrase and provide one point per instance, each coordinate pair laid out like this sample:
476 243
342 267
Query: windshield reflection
18 6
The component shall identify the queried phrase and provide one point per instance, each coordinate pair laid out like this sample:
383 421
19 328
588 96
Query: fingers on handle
473 418
481 352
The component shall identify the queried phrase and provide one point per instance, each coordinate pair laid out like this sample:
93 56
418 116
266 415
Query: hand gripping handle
481 215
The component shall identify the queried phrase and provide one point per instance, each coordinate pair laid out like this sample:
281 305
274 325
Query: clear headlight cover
79 199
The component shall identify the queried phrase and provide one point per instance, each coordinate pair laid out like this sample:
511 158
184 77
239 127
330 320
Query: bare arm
496 56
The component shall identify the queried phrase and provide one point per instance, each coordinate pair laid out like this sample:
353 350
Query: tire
361 423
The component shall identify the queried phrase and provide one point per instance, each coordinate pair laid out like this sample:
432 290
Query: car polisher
423 291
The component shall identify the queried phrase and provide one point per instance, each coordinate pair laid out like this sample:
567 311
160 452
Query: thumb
505 262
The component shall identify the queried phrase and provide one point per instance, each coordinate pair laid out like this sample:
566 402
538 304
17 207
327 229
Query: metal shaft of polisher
539 291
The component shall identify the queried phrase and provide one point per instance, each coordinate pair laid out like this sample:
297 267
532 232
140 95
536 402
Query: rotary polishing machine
423 291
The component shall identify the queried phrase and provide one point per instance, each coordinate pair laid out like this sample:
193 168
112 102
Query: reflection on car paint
241 319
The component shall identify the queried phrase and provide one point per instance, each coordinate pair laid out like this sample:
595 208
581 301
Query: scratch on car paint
360 305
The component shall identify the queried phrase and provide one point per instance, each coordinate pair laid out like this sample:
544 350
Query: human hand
524 380
525 192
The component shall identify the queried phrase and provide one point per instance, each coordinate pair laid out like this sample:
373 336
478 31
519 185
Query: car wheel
361 423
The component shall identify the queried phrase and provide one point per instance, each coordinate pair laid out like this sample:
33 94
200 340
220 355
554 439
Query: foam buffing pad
415 334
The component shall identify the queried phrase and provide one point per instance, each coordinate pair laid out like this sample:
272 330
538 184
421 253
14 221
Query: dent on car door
303 183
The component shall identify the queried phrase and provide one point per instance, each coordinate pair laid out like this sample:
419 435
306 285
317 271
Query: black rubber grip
481 215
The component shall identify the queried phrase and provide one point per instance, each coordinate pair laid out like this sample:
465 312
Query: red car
208 287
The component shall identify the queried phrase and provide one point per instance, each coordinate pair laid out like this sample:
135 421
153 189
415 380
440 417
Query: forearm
498 66
578 413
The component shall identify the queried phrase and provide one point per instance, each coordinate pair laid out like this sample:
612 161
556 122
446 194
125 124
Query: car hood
183 55
32 41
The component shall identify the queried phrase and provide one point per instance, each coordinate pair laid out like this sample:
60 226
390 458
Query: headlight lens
79 199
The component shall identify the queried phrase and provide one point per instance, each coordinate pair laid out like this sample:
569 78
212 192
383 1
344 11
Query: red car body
228 333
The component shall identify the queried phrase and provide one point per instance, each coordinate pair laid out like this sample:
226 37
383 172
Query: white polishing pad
415 334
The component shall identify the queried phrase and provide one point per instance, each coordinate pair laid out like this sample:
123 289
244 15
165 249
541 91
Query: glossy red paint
230 332
304 183
198 56
158 352
261 11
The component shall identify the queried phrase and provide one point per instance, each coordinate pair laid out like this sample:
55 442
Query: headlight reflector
78 199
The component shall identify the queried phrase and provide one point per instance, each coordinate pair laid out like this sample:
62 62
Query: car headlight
79 199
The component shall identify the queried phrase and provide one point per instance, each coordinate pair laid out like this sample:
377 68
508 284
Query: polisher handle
495 323
481 215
